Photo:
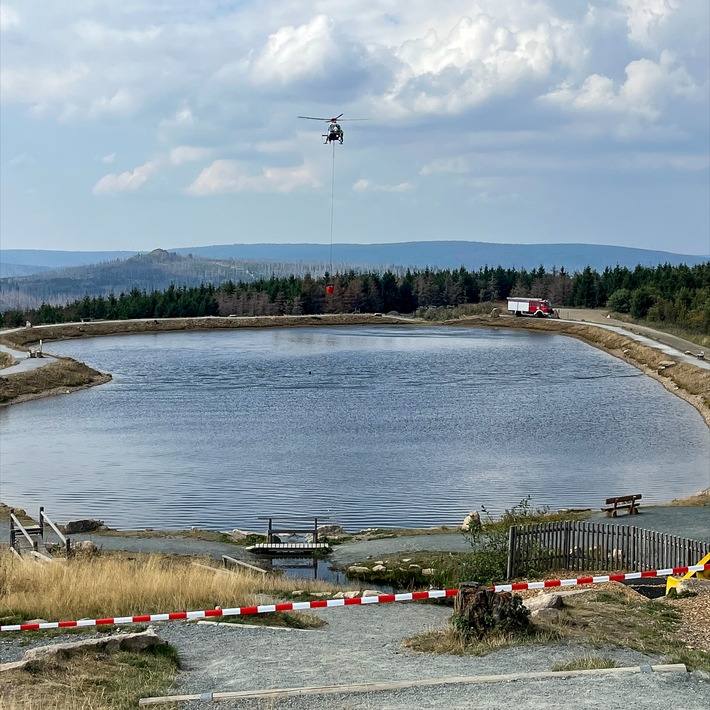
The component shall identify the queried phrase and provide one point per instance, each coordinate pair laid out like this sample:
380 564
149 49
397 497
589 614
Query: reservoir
368 426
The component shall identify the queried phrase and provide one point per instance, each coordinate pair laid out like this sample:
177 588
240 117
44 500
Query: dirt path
657 338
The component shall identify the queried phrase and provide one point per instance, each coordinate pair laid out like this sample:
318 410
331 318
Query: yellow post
672 582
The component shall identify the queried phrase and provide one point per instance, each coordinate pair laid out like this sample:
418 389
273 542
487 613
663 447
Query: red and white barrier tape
324 603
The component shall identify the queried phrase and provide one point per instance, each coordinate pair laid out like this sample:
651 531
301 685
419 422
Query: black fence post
510 572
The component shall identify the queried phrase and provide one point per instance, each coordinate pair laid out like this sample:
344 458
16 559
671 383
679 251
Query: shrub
489 540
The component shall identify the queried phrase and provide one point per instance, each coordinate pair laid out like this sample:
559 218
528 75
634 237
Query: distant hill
19 269
58 277
419 255
153 271
454 254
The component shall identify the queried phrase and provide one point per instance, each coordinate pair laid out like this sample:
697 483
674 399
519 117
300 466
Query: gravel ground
691 522
363 645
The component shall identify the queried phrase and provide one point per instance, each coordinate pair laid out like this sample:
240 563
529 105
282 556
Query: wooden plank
227 558
402 684
289 547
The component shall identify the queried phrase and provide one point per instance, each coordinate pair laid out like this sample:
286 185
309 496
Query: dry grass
699 500
55 378
101 587
451 641
6 359
586 662
90 682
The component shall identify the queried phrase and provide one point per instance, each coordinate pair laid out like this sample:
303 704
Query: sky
165 123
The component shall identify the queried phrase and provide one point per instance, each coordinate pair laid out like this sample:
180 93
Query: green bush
489 541
620 301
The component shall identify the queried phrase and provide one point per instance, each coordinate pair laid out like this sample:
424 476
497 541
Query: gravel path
363 645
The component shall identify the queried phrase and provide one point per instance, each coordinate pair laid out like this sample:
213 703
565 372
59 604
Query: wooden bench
612 506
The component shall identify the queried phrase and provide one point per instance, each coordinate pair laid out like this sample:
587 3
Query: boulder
358 569
543 601
331 531
547 615
83 526
371 593
85 547
110 644
428 572
379 568
472 521
691 585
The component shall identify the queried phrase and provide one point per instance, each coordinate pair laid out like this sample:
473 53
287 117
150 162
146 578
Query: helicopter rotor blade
314 118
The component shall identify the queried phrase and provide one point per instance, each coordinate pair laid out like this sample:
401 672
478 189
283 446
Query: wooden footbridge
291 526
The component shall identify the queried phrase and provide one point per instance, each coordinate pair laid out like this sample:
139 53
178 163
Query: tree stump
480 612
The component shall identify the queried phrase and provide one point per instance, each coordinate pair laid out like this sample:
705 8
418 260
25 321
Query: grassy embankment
59 377
91 681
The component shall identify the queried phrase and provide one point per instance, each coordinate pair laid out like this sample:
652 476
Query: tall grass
111 586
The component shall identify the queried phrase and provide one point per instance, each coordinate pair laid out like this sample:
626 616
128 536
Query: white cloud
108 159
188 154
129 181
649 88
457 165
9 17
225 176
645 17
292 53
370 186
481 57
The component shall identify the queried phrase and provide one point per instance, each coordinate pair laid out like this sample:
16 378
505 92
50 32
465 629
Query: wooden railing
34 533
592 546
273 530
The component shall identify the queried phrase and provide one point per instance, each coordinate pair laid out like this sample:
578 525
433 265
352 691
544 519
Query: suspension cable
332 203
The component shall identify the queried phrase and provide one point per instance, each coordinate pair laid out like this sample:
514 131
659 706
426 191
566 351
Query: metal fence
581 545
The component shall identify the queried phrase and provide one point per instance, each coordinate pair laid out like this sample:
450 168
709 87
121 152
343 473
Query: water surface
369 426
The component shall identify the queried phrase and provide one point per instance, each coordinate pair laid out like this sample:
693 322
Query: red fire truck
539 307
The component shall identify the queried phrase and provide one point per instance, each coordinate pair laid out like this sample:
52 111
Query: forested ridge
675 295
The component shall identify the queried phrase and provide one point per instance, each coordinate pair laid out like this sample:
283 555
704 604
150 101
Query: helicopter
335 132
